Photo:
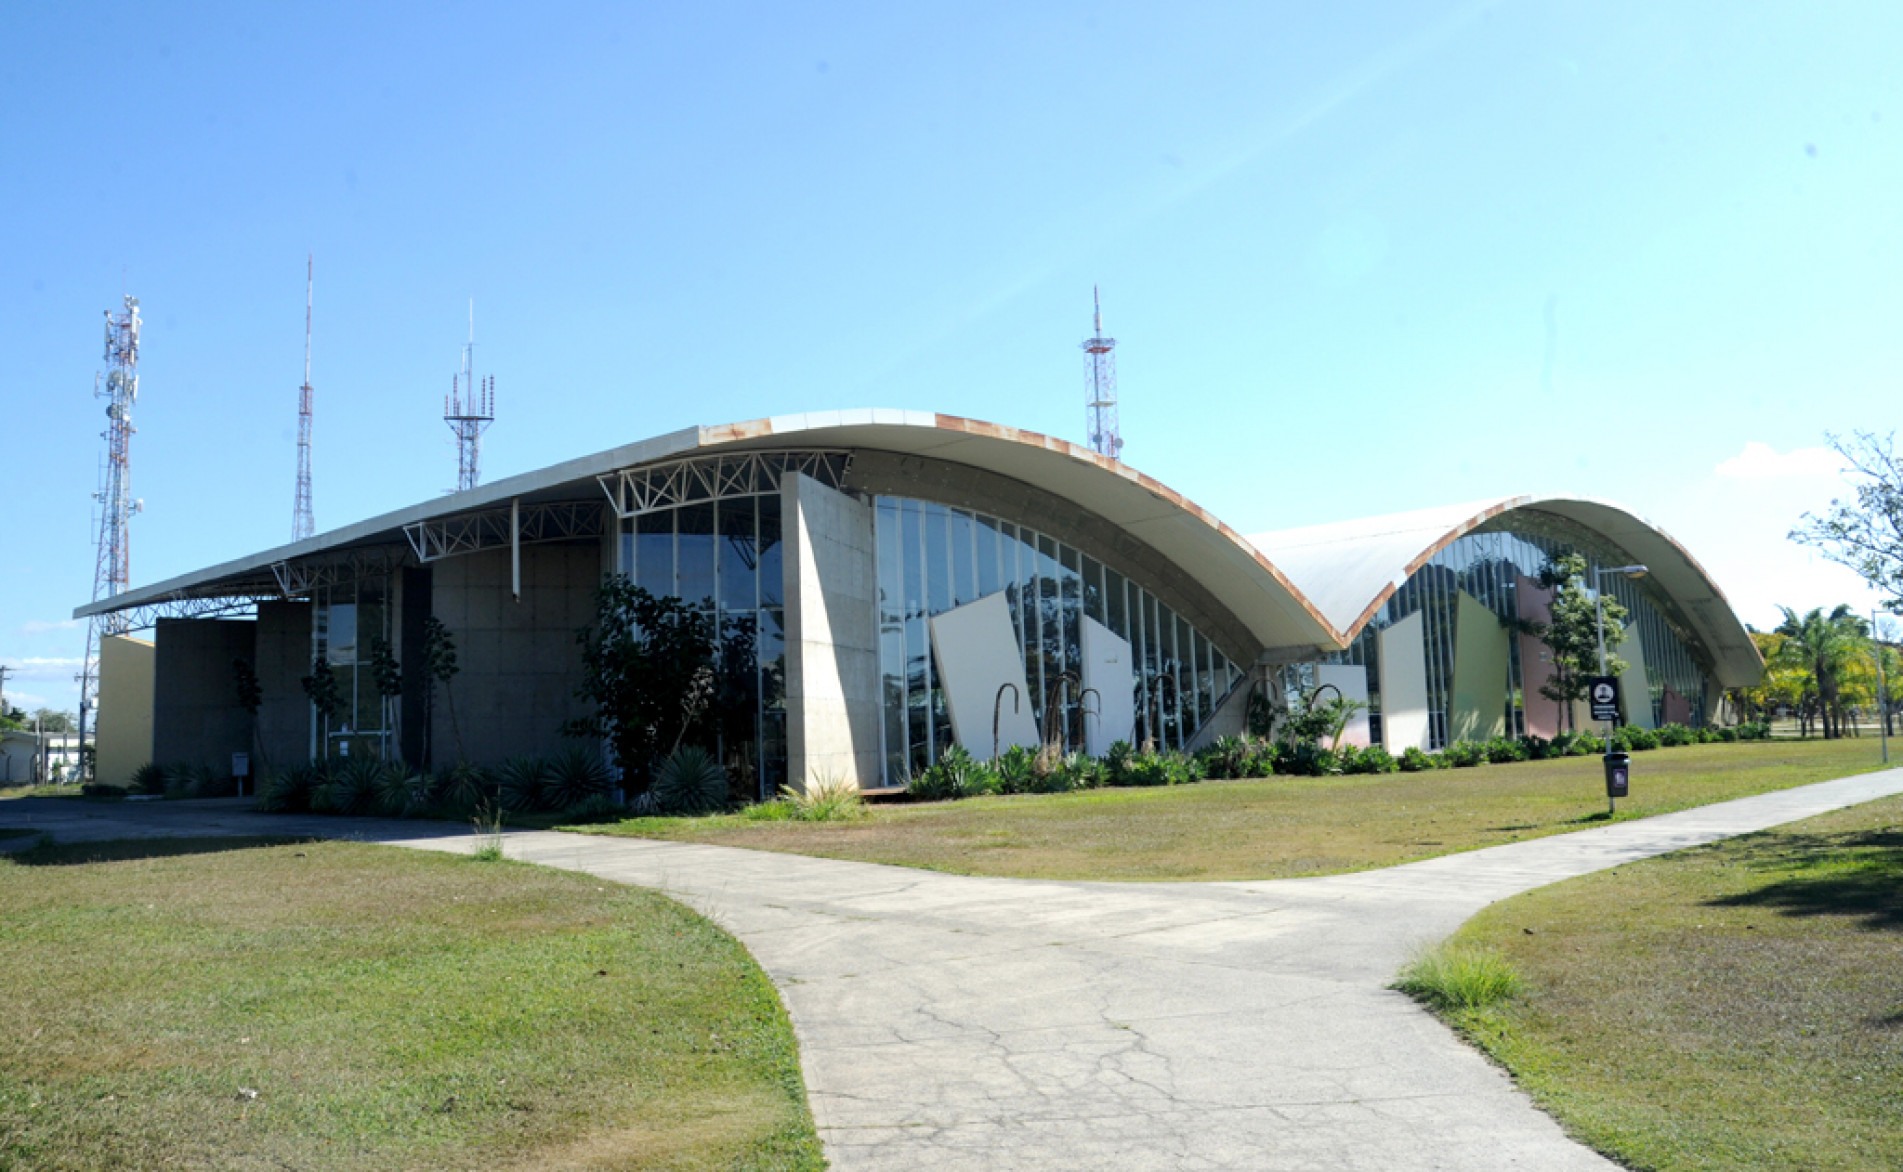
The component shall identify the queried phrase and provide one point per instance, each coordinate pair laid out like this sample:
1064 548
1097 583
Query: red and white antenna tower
301 524
469 409
1100 363
112 572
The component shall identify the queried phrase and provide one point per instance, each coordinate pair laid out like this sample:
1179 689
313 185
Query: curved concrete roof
1350 569
1220 559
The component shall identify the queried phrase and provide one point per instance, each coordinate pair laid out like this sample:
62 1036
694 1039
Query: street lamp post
1634 573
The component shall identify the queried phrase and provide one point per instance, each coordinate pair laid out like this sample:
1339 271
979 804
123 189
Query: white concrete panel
1352 679
1403 685
1109 668
978 654
1635 690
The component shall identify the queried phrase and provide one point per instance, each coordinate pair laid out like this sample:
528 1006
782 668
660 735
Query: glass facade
346 622
1490 568
934 558
725 557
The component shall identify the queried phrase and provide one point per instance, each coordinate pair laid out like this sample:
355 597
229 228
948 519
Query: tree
1572 635
439 665
322 688
250 696
387 676
1823 646
55 722
1866 533
648 668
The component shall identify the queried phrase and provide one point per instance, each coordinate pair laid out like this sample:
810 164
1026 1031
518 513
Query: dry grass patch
1279 827
328 1005
1733 1006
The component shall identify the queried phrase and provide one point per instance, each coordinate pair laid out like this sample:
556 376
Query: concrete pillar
832 635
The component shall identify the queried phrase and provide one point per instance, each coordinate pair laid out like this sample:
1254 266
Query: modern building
891 583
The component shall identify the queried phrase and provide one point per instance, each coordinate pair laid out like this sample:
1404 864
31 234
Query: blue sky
1360 257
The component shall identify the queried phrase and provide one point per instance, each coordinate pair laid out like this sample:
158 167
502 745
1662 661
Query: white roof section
1350 569
1218 557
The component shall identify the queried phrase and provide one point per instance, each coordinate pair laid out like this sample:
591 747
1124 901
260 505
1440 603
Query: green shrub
401 792
597 808
1458 978
1226 757
461 787
181 781
1415 760
1015 772
1754 730
1136 769
1082 771
148 778
827 798
1536 748
957 774
351 787
1368 759
1504 750
286 791
575 776
1305 759
1464 754
1671 736
690 781
1632 739
519 783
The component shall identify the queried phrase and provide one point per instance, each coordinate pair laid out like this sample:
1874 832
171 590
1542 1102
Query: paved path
948 1022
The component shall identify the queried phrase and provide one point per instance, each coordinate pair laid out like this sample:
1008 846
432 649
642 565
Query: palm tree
1821 645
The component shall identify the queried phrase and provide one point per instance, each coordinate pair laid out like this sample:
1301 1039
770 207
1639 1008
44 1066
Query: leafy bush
1369 759
1758 730
1015 772
1537 748
401 792
1082 771
957 774
690 781
519 784
598 808
1504 750
351 787
1305 759
1464 754
285 791
1671 736
148 778
1415 760
180 781
575 776
1631 738
1457 978
461 787
1226 757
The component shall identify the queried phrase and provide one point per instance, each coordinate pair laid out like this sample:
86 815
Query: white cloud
51 662
41 626
1761 461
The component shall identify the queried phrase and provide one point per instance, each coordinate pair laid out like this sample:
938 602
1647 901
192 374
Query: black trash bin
1618 773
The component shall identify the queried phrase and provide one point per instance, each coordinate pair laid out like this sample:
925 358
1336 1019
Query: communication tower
112 572
469 409
301 524
1100 367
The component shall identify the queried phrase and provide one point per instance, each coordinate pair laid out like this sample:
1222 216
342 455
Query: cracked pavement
952 1022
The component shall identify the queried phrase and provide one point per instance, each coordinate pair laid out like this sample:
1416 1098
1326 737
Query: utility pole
5 671
1883 696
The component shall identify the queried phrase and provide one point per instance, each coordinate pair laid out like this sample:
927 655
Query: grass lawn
227 1003
1734 1006
1279 827
49 789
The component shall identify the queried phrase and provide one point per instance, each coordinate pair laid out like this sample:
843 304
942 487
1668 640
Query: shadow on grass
119 850
1859 875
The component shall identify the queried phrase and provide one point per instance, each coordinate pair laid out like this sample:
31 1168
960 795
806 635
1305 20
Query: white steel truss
633 491
297 579
147 615
491 529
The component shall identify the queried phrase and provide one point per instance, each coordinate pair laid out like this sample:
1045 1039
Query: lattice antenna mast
112 571
1100 367
469 410
302 525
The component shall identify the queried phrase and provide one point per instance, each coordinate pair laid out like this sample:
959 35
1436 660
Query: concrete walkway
948 1022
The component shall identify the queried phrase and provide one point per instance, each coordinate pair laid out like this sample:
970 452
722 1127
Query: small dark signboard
1604 695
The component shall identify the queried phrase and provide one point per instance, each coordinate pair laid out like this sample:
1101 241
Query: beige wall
832 639
123 736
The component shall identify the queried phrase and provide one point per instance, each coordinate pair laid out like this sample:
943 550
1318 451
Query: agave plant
519 783
286 791
148 778
354 785
462 786
575 776
401 791
690 781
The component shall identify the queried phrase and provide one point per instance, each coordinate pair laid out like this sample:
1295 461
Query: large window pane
654 552
739 555
771 587
694 553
